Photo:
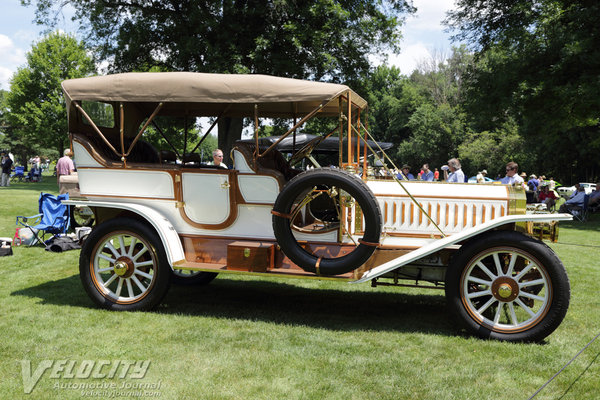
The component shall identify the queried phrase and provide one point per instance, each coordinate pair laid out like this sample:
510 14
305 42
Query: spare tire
333 183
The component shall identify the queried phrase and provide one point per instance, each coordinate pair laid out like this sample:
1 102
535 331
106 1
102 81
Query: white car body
158 218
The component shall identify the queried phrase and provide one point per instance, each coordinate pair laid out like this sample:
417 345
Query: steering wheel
306 150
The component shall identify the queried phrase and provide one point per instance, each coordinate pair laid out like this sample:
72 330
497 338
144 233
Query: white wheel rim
119 249
506 289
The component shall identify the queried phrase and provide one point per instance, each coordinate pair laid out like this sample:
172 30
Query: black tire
192 278
324 178
108 266
523 301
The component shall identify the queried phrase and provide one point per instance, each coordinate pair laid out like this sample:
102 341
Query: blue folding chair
18 174
52 219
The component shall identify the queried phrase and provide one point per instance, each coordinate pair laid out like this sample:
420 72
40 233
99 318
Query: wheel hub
505 289
123 267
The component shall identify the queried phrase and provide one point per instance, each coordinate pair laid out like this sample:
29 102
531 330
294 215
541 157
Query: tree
36 112
442 78
538 63
392 100
491 150
436 133
317 39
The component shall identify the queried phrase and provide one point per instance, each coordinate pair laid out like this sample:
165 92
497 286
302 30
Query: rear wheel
507 286
123 266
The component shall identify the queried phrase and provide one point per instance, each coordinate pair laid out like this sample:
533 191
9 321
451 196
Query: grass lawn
253 338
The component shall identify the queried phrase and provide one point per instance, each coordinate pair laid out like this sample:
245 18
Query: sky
423 34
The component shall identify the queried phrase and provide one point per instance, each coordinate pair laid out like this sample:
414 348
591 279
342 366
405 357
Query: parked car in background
473 179
566 192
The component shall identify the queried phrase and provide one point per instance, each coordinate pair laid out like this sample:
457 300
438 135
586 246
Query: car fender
167 233
439 244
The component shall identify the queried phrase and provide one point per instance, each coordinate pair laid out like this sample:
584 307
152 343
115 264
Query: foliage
392 100
175 129
441 78
491 150
320 39
436 133
538 63
35 108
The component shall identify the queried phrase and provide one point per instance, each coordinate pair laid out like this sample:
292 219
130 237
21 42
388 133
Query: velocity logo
69 369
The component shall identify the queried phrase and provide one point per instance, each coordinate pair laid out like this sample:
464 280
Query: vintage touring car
164 215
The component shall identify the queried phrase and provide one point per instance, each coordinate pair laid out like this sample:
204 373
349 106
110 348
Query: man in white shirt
512 177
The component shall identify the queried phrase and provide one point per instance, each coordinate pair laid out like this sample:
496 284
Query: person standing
6 169
64 165
427 173
512 177
533 183
436 175
456 174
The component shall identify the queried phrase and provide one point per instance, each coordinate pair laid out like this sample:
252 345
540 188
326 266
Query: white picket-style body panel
453 207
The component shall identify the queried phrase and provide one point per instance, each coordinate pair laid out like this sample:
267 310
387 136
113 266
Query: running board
458 237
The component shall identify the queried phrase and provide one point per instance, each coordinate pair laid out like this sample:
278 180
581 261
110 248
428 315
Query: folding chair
580 213
18 174
52 219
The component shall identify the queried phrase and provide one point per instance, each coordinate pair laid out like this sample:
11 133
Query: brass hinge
225 185
179 204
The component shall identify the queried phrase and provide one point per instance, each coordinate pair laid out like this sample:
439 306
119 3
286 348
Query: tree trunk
230 130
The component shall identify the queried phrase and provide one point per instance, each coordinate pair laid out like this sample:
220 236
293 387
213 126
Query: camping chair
34 175
52 219
580 212
18 174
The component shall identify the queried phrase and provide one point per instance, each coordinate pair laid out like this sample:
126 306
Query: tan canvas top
211 93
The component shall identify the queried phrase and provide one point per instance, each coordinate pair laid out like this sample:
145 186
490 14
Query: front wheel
507 286
123 266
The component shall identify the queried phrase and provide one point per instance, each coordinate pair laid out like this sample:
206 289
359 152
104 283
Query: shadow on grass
281 303
64 292
321 308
